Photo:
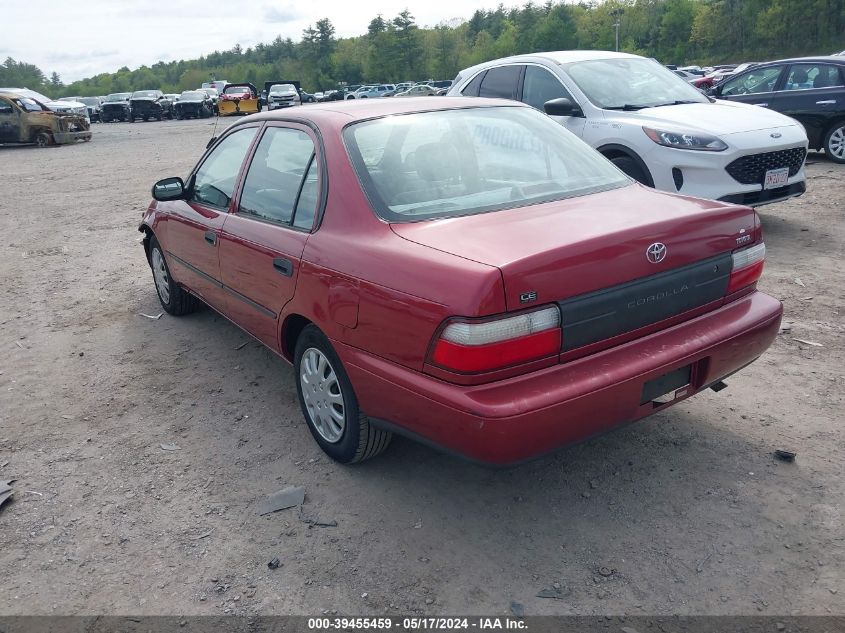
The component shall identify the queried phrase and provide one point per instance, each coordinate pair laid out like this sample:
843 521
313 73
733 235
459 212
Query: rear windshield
457 162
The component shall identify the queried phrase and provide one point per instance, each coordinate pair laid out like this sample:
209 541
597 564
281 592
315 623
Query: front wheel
329 403
43 139
834 143
631 168
173 298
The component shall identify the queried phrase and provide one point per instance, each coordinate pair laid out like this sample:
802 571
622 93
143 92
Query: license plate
667 387
776 178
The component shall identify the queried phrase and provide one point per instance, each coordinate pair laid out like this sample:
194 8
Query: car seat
800 80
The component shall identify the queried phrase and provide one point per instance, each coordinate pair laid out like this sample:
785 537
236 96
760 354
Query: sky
82 39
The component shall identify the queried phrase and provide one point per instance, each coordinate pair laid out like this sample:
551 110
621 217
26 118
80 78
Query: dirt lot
686 512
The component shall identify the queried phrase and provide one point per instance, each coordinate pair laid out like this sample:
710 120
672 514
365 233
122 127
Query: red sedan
465 272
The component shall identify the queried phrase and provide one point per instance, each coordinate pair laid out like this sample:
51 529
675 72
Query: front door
192 233
262 241
9 122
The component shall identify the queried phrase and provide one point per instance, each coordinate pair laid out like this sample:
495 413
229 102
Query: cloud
281 14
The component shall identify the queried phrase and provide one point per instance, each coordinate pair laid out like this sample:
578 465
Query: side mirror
562 107
169 189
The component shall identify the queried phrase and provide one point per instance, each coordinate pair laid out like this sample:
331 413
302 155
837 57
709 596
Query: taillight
472 347
747 267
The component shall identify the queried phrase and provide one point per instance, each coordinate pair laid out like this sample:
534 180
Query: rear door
262 242
192 231
9 122
812 93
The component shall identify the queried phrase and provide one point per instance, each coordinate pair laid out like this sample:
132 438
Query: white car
283 96
653 125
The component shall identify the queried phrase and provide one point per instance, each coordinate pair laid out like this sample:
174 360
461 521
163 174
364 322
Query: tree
410 51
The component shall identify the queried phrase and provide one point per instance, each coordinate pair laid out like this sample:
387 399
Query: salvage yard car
150 104
25 120
465 272
282 96
116 107
239 99
653 125
194 103
811 90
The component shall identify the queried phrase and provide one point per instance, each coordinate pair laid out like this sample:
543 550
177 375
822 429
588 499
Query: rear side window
807 76
471 89
277 175
540 86
214 181
500 82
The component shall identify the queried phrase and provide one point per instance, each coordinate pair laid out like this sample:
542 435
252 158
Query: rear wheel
329 403
173 298
631 168
834 143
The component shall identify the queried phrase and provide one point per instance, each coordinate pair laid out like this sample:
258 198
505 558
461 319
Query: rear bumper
512 420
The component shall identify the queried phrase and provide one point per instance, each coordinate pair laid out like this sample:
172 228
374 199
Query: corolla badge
656 253
775 134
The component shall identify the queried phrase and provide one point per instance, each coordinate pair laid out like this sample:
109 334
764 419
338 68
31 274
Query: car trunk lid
589 255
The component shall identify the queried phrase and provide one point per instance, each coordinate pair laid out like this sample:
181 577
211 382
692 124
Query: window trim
235 192
316 137
782 82
553 74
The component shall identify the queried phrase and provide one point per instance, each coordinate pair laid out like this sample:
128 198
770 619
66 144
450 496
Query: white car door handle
762 105
828 102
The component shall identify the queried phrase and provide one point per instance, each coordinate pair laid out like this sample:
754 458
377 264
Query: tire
43 139
834 142
345 434
172 297
631 168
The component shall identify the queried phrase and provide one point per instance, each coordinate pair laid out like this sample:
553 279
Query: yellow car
239 99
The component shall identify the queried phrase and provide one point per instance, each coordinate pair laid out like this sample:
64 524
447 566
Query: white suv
652 124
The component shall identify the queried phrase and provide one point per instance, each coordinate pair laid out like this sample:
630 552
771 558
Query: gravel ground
686 512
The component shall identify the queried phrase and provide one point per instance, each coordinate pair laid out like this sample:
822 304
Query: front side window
500 82
276 177
753 82
457 162
214 181
5 107
30 105
631 83
808 76
540 86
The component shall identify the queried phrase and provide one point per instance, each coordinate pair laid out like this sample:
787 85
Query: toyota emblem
656 253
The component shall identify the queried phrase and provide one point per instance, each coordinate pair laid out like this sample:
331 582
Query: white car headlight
686 140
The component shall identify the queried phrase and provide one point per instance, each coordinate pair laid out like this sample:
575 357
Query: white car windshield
631 84
457 162
282 88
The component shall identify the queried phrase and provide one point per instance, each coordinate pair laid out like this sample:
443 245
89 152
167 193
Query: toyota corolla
466 272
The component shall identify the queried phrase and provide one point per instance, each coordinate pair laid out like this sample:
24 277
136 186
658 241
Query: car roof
337 114
836 59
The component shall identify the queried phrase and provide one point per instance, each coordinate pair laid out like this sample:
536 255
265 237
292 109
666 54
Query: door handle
283 266
211 237
828 102
762 105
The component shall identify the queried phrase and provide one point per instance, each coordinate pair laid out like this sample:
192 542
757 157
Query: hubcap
160 275
836 144
322 395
